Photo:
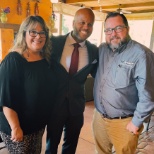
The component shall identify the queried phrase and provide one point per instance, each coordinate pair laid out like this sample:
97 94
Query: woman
27 88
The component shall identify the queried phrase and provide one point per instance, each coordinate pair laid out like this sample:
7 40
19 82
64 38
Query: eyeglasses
117 29
34 33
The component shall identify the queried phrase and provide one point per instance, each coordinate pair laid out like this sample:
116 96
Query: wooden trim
15 27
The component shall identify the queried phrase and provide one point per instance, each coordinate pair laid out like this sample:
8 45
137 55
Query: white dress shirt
67 53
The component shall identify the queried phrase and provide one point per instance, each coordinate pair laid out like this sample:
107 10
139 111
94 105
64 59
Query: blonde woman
27 88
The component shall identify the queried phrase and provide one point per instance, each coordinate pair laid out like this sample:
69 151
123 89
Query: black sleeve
10 70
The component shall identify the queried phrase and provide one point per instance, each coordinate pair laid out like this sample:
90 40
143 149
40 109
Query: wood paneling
7 38
15 27
45 9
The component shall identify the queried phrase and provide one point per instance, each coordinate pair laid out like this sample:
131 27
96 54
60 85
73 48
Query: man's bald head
85 11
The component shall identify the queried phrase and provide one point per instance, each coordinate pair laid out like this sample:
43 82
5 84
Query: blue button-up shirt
124 83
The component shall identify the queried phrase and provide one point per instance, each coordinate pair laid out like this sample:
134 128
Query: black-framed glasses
117 29
34 33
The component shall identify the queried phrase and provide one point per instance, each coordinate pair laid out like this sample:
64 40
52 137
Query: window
66 24
141 30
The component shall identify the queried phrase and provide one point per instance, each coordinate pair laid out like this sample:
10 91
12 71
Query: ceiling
127 6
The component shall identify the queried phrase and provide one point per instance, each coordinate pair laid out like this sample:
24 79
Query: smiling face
116 39
35 44
83 24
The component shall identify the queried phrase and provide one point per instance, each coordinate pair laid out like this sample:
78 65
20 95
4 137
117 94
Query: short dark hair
115 14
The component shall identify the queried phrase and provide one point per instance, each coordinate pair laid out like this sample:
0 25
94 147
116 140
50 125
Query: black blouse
29 88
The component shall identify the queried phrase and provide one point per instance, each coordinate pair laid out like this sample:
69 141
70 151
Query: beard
115 45
80 36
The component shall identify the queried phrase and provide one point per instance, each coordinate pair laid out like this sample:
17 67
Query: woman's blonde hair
30 22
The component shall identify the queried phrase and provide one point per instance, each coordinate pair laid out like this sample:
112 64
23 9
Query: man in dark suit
70 100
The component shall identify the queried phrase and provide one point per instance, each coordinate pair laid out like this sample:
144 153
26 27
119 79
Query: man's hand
132 128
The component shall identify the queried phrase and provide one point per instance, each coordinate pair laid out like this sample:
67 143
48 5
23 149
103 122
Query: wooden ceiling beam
144 11
122 6
78 1
141 7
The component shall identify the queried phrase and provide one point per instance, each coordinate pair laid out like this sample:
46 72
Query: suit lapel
58 46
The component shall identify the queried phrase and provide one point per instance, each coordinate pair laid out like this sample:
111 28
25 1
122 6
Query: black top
29 89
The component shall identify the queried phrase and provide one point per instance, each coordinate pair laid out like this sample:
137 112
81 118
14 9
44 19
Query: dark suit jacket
71 88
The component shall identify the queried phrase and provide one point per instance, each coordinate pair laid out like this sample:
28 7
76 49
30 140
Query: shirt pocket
123 74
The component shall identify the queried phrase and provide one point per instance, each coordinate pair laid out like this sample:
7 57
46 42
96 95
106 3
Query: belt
123 117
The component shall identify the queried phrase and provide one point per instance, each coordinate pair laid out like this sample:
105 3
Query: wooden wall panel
45 9
7 38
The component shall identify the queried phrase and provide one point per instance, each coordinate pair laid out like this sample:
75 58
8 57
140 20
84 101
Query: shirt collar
72 41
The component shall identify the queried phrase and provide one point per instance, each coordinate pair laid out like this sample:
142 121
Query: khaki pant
112 132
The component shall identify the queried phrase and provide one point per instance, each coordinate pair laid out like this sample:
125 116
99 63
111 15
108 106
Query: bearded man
123 89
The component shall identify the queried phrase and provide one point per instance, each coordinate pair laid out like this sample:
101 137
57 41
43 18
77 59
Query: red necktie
74 59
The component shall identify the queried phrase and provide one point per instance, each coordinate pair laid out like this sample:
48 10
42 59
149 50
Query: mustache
114 37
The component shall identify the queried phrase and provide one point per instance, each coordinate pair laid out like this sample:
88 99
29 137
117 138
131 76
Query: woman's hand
13 120
17 134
